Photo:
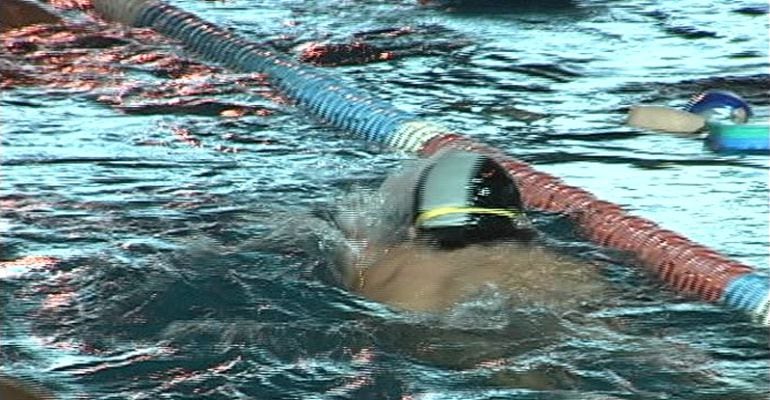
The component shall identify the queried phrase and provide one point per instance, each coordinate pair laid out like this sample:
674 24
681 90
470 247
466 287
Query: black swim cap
464 197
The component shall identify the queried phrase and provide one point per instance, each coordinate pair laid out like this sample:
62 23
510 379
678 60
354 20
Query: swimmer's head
463 198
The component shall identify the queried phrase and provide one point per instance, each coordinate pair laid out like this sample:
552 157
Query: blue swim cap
710 101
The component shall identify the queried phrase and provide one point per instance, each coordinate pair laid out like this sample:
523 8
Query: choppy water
162 276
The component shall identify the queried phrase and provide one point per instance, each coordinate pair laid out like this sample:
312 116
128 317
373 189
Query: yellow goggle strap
441 211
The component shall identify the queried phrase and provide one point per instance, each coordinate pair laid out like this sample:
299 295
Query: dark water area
156 212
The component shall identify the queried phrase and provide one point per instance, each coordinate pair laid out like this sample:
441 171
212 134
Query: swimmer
19 13
18 389
453 227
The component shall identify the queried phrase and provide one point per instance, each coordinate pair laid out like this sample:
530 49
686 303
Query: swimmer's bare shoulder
417 277
17 389
19 13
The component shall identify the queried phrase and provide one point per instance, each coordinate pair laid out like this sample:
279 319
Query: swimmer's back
417 277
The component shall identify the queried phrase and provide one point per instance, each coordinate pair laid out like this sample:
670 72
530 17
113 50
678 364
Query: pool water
156 213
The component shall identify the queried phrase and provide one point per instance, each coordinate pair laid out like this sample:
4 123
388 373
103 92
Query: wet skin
19 13
14 389
418 277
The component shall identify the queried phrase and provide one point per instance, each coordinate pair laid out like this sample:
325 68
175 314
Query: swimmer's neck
432 245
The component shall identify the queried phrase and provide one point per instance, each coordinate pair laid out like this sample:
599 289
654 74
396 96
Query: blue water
174 280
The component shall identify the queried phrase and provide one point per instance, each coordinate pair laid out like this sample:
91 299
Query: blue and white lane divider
333 99
749 293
